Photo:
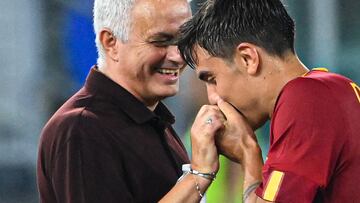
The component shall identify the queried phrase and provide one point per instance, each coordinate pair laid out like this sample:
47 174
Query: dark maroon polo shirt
104 145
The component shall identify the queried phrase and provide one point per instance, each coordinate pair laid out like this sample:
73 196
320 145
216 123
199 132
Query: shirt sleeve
305 143
88 168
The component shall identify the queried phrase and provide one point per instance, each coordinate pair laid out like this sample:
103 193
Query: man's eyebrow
204 75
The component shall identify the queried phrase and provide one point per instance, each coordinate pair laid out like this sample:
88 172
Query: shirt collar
98 83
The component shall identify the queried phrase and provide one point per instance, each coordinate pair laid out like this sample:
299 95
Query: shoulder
70 120
84 116
305 87
310 95
62 126
301 96
307 104
317 86
83 111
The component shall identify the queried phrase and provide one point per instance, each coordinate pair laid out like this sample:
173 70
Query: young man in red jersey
247 59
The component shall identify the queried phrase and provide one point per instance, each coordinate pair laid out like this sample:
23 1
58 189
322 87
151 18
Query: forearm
205 158
187 190
252 165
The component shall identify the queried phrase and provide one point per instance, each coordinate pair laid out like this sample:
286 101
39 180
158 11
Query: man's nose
173 55
213 96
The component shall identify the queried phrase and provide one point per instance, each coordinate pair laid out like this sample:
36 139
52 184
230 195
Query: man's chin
167 94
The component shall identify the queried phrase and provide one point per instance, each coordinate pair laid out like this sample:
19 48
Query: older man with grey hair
113 141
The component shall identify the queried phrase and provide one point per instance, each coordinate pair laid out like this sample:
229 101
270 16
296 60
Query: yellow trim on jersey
356 90
321 69
273 185
316 69
305 74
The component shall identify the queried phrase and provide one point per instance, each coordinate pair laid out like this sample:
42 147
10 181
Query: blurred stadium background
47 48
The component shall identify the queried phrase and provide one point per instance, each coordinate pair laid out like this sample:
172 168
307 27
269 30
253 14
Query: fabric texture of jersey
314 153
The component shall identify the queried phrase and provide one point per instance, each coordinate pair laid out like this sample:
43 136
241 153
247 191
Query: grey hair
114 15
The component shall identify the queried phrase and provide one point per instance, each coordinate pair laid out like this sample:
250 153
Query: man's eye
211 80
162 43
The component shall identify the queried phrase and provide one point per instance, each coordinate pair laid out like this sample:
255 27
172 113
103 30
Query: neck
112 74
152 107
284 70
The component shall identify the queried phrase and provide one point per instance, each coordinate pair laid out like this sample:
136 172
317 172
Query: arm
205 157
185 190
238 142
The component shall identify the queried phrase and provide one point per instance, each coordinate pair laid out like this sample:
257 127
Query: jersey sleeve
306 141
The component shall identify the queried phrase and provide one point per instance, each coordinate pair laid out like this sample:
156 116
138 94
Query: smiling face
149 63
231 82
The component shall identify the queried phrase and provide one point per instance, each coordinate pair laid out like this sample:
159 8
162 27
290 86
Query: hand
237 140
208 122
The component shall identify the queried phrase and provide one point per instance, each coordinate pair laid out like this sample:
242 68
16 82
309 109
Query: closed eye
211 80
207 77
163 43
163 39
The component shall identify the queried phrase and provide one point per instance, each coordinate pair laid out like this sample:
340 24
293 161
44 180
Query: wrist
189 169
205 168
201 184
210 176
250 189
201 180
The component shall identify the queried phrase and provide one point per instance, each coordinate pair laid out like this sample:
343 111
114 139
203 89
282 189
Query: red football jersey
314 153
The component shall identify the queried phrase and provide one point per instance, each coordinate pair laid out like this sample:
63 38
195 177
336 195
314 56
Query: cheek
154 56
225 88
230 91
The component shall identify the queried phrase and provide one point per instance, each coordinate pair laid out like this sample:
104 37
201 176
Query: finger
206 109
208 123
228 110
215 123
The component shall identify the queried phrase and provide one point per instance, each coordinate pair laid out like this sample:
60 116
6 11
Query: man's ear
108 41
247 56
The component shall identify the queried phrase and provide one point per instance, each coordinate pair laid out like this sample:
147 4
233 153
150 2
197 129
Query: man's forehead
202 55
203 60
161 11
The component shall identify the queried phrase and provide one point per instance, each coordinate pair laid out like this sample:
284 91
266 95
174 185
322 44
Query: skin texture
235 82
134 64
244 90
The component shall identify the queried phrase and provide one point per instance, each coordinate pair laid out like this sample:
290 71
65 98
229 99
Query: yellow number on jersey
356 89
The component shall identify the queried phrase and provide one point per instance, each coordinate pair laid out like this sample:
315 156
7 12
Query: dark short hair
220 25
